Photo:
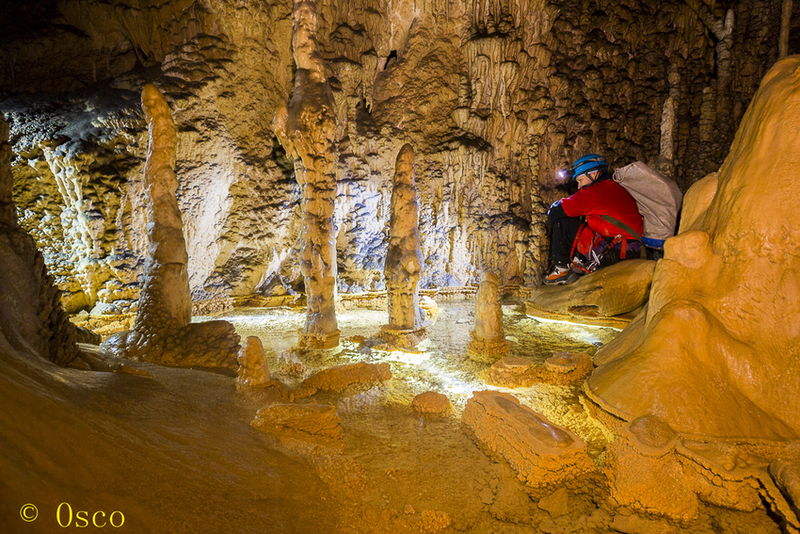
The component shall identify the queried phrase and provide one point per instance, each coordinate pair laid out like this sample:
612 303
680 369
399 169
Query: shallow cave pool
441 363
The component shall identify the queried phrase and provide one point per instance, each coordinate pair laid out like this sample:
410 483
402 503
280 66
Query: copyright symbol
28 513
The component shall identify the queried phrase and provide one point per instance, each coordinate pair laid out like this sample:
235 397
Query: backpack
657 197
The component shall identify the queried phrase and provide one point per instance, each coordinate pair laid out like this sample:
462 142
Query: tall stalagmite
404 258
307 132
165 302
162 332
488 339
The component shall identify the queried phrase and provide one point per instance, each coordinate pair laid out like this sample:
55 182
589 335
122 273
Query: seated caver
597 226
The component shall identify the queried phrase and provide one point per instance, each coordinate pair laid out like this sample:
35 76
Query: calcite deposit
611 291
716 333
562 368
162 332
488 340
253 371
341 377
301 424
403 265
542 453
431 403
307 131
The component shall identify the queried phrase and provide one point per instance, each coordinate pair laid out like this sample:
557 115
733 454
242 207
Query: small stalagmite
253 370
307 130
406 327
162 332
488 339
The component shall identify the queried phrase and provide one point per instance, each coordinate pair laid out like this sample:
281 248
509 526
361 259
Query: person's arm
580 203
555 212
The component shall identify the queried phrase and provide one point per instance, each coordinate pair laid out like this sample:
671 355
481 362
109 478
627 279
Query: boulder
432 403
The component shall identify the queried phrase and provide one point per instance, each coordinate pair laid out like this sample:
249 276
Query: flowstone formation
715 357
32 321
616 290
307 131
162 332
406 328
488 340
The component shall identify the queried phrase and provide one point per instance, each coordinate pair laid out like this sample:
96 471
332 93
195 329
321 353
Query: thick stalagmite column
307 131
404 258
165 301
488 339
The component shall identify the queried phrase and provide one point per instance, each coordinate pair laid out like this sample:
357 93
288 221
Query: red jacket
604 197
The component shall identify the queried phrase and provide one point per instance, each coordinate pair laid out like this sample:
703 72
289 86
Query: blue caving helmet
588 163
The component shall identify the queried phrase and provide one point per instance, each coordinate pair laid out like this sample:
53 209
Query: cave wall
493 95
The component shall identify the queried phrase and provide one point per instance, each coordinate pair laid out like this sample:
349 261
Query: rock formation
542 453
488 339
307 131
341 377
301 425
608 292
562 368
32 320
253 370
716 335
403 259
162 331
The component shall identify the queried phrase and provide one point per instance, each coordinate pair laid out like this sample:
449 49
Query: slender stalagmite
404 258
165 302
163 331
307 131
488 338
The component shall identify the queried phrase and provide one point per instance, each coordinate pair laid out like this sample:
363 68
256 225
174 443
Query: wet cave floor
175 451
417 473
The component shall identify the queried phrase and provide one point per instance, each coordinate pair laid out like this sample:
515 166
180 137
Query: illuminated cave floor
175 452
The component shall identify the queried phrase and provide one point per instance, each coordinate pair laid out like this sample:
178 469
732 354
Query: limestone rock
341 377
432 402
653 471
564 363
541 452
315 424
488 339
253 370
615 290
32 320
556 504
430 310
